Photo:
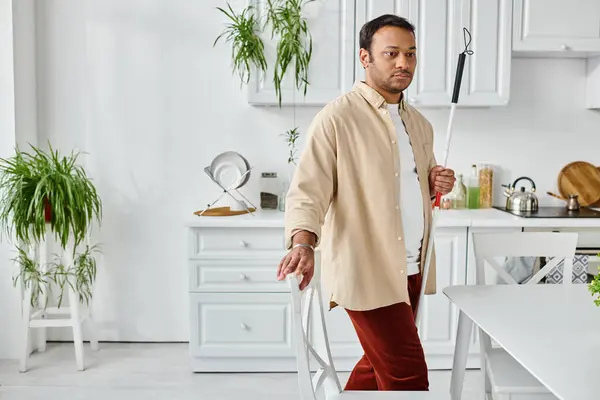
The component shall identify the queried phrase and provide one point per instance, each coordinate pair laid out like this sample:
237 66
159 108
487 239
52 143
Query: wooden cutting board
598 202
581 178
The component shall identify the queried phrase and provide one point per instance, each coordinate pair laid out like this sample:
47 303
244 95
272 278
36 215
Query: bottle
486 185
460 193
473 189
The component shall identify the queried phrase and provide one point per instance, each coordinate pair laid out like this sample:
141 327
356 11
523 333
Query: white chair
504 378
40 317
315 342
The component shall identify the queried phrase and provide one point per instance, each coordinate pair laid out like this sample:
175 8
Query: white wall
154 102
9 297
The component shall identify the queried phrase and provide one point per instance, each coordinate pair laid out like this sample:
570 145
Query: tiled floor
152 372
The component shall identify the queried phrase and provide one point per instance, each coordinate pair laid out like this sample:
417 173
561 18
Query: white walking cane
436 206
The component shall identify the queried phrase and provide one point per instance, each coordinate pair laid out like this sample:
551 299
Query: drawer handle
243 277
243 243
244 326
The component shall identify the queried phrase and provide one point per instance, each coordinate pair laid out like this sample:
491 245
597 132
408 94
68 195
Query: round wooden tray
222 212
581 178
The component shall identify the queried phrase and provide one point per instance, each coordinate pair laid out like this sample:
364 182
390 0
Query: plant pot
47 211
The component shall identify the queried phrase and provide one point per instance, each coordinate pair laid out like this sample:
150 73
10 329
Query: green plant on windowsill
46 192
594 287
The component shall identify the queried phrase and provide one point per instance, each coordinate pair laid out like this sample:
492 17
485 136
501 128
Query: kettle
521 200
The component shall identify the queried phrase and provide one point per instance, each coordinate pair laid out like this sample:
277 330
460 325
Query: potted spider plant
288 27
46 192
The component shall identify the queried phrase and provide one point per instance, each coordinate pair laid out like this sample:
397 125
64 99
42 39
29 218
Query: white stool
326 376
41 317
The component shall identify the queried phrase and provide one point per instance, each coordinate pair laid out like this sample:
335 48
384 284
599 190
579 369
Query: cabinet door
486 78
440 38
331 69
556 26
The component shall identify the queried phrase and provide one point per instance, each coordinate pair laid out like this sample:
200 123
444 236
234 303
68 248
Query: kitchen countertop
486 218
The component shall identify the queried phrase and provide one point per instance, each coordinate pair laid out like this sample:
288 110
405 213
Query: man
363 189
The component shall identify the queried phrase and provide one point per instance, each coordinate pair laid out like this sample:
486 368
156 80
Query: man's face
392 62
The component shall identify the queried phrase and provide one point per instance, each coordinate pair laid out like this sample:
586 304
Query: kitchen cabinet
564 28
440 38
592 97
240 316
331 69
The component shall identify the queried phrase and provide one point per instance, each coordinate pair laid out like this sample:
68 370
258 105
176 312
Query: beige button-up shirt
346 191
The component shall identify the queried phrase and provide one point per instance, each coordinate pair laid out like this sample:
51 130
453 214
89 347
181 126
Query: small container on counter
270 188
473 189
486 185
459 198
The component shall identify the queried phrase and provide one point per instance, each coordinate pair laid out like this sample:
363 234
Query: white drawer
241 325
236 275
207 240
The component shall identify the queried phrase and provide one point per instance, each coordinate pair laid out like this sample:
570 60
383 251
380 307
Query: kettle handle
527 179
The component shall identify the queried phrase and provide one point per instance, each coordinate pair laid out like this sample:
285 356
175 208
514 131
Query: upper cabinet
440 38
331 69
570 27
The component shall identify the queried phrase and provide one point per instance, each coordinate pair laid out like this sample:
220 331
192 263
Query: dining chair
503 377
312 342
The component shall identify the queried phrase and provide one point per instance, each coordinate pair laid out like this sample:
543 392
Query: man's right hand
301 261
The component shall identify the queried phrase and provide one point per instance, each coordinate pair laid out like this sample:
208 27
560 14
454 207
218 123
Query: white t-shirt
411 199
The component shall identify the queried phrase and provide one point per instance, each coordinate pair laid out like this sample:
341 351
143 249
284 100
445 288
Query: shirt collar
373 96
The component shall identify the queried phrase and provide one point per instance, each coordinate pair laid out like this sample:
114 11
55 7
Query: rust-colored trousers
393 358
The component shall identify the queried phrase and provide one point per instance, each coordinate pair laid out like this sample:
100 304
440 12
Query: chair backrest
557 247
312 341
560 247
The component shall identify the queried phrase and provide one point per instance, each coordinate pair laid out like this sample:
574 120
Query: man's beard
386 82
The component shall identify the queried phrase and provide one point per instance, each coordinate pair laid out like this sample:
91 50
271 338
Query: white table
552 330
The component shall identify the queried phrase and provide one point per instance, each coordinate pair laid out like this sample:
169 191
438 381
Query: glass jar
486 186
460 193
269 191
473 189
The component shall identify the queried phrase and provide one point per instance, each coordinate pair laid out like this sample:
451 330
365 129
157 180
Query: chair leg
76 324
26 332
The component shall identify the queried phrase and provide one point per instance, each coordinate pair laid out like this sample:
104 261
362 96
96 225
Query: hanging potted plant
45 192
290 30
247 48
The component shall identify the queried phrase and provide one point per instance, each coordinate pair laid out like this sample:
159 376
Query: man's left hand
441 180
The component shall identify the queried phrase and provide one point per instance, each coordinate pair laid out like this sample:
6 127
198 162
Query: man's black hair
368 30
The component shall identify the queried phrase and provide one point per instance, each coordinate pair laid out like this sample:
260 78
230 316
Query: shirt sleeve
313 184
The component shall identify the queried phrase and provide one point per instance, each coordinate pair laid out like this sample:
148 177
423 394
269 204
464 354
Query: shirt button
397 207
396 174
393 142
399 237
401 272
